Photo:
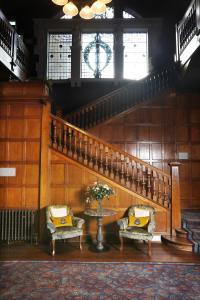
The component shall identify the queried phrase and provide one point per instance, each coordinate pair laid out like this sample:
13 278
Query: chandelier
85 10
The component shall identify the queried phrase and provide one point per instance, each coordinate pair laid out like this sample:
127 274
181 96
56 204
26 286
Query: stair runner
191 223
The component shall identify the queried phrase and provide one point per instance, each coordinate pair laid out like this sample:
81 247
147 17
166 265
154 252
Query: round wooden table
99 217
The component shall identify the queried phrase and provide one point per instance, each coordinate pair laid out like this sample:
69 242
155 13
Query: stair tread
181 230
177 240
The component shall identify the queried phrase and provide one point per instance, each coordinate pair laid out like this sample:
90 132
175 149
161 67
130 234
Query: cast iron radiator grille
18 225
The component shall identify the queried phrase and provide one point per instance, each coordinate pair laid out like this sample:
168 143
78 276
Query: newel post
175 196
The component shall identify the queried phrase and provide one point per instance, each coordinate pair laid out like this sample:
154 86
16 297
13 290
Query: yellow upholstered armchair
62 224
139 225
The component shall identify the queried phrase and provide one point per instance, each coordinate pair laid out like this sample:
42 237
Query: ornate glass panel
135 55
59 56
127 15
97 55
109 14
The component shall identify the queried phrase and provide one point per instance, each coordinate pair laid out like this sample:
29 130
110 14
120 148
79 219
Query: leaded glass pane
59 56
97 55
135 55
127 15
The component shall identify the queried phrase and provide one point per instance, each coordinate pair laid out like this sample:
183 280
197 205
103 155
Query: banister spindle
133 175
149 183
85 161
144 192
90 153
112 165
54 144
96 167
117 167
128 184
101 158
166 192
59 137
122 180
106 161
138 188
70 141
75 154
65 139
80 157
160 189
155 186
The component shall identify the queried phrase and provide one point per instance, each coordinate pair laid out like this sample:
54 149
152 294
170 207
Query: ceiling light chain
86 11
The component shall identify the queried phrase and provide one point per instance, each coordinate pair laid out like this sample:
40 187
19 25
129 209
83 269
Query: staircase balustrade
111 162
122 99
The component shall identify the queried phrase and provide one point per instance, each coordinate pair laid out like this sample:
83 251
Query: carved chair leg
149 248
81 248
53 247
121 243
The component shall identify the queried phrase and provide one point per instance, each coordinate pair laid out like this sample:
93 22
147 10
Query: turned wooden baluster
101 158
166 192
54 134
59 137
128 183
91 153
96 167
160 190
133 176
65 139
75 154
155 186
112 165
106 162
85 161
138 188
122 170
149 183
80 157
144 192
117 167
70 141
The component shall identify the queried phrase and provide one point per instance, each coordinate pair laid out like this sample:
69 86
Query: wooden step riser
178 246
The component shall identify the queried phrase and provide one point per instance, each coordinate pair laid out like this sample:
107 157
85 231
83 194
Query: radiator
17 225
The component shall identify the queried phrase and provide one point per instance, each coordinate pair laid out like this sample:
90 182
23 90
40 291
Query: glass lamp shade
105 1
98 7
60 2
86 13
70 9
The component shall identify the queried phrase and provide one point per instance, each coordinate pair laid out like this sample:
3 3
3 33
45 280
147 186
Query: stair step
180 232
179 243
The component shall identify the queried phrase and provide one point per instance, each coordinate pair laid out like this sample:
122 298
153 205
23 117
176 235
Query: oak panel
2 197
15 151
16 110
32 110
32 174
3 128
195 115
182 134
16 128
195 133
32 128
18 179
144 151
32 151
57 195
14 198
75 175
156 151
57 173
2 151
31 198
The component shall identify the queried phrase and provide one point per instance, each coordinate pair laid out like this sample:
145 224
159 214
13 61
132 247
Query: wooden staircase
180 241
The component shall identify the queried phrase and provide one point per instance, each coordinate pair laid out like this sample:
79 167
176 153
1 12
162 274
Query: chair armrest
78 222
123 223
51 227
151 227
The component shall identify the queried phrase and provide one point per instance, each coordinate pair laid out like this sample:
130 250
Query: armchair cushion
138 221
62 221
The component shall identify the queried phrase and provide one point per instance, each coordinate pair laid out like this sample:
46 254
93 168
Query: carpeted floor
59 280
191 222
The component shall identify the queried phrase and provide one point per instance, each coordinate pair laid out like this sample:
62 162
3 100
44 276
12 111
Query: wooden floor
133 252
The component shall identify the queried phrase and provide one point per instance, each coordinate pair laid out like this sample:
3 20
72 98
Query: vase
99 207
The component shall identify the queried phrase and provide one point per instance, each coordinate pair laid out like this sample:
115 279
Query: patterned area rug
50 280
191 223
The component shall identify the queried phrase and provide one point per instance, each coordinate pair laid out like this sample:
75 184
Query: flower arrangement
98 191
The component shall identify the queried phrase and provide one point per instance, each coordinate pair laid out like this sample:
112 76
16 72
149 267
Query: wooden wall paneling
158 131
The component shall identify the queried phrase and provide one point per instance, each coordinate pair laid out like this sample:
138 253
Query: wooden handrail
115 164
121 99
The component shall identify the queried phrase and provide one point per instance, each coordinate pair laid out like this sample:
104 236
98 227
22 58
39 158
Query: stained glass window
127 15
109 14
59 56
97 55
135 55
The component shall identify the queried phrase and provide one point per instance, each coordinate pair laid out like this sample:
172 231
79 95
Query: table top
104 213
